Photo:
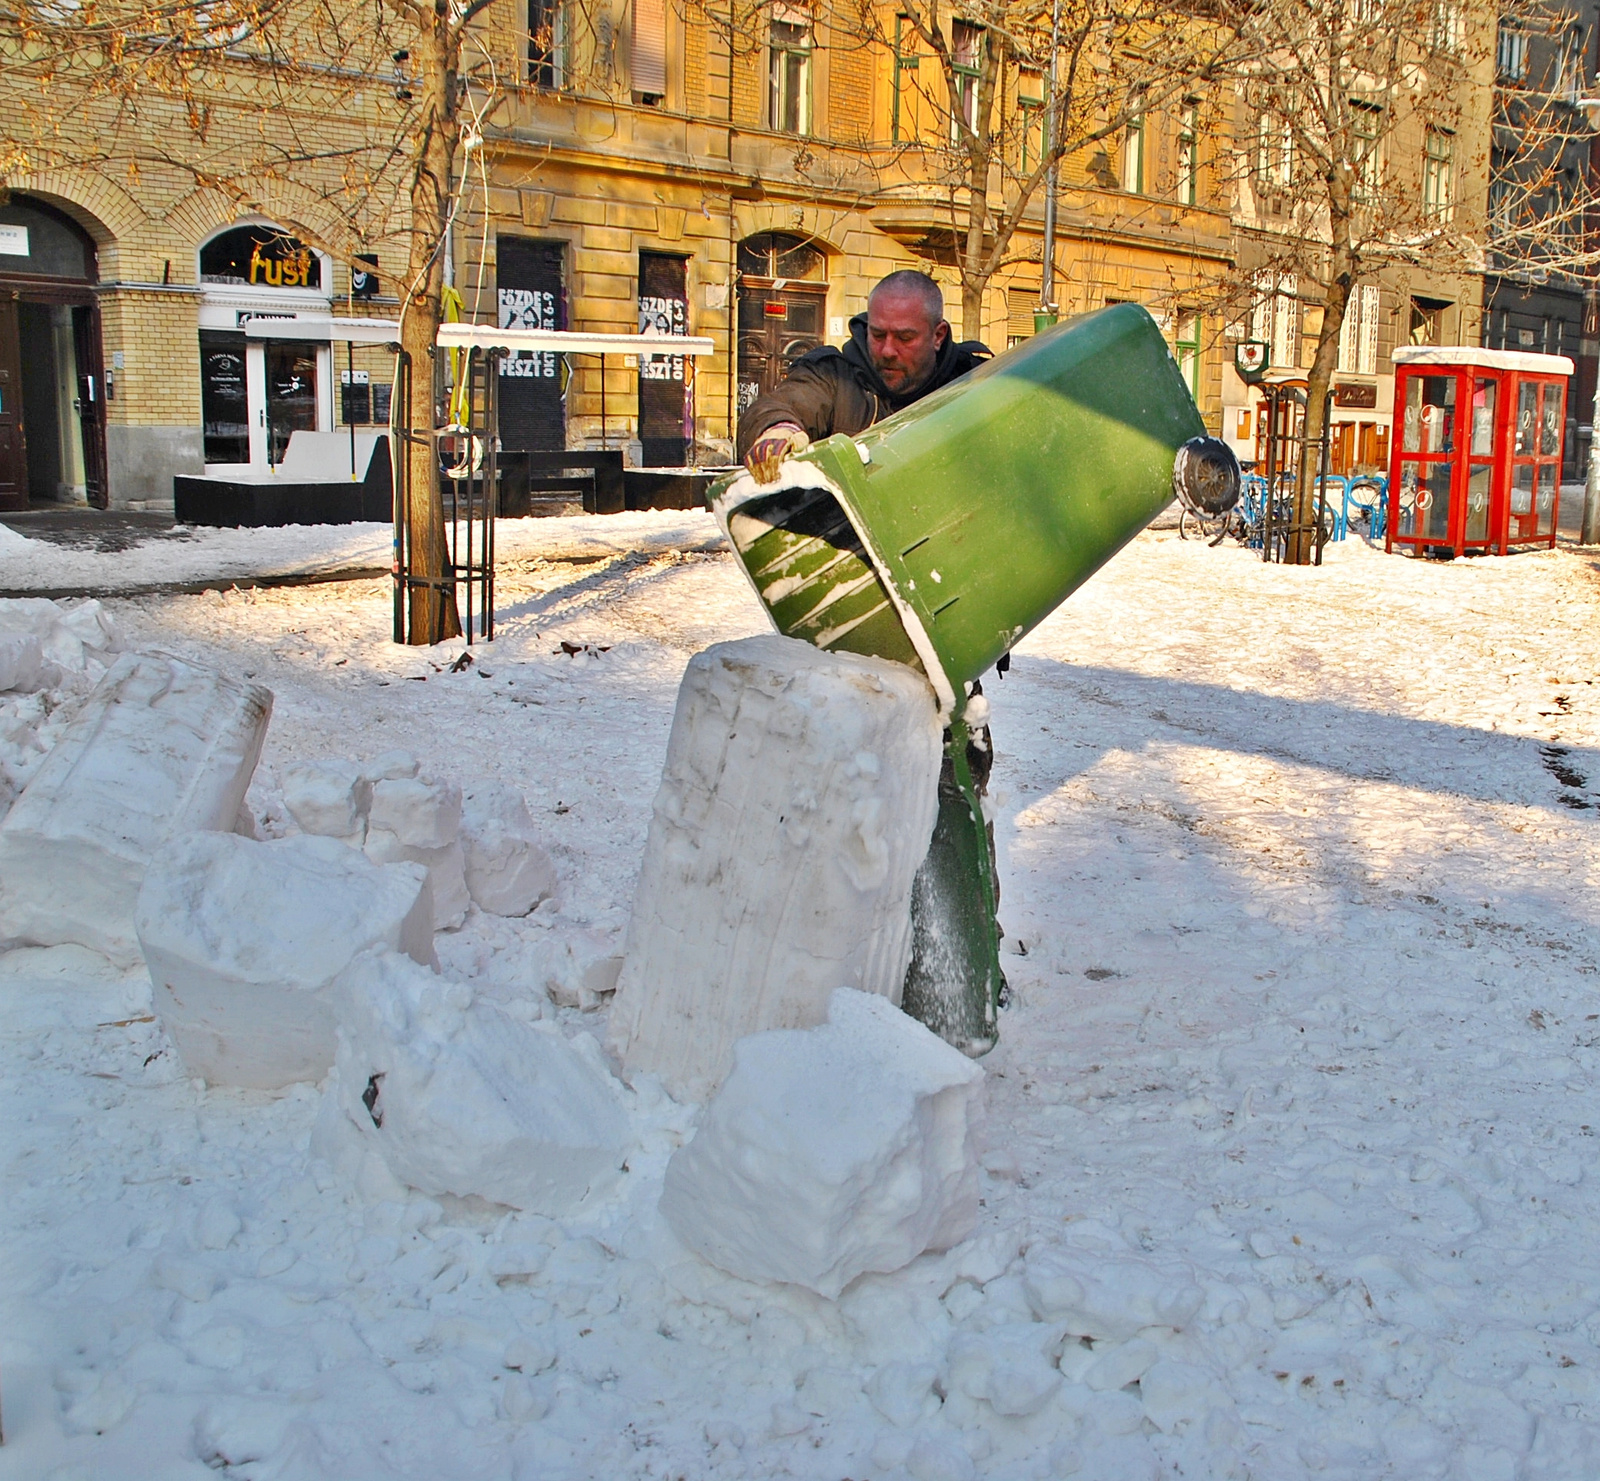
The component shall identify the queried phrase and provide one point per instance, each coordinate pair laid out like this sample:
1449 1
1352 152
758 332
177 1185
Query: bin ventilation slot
814 575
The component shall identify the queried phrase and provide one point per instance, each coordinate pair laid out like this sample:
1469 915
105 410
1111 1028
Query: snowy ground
1300 896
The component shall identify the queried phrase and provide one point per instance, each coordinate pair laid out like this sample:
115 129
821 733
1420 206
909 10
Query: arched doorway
258 390
52 388
783 291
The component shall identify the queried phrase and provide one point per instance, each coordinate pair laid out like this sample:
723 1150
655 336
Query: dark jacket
829 390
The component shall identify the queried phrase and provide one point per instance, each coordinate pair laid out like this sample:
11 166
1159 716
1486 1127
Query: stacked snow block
832 1151
162 747
796 803
459 1097
483 852
244 940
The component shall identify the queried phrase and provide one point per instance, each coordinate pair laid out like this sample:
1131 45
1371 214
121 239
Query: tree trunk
1302 545
433 616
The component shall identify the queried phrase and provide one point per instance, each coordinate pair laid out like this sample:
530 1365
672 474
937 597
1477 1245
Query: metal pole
1590 533
349 400
1047 275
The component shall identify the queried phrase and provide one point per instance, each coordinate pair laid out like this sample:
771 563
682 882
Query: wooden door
13 435
776 327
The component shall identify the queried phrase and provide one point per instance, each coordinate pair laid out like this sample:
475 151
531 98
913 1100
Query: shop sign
13 241
1356 395
259 257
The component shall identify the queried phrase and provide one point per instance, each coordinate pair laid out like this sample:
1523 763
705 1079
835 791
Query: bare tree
1361 124
351 123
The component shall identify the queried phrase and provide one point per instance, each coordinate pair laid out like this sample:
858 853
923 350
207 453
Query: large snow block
459 1097
244 940
796 803
508 871
832 1151
162 747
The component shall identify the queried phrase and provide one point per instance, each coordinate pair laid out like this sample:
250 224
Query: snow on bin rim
742 488
1523 360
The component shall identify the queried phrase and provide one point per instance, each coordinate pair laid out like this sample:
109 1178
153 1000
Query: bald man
899 351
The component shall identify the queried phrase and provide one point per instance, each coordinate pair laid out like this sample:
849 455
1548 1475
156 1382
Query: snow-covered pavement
1293 1098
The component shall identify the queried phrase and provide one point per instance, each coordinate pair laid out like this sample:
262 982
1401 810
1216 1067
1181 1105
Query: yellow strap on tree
451 305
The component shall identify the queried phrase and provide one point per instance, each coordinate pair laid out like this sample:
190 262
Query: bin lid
1523 360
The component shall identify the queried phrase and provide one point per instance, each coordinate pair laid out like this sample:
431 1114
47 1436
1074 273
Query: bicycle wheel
1189 525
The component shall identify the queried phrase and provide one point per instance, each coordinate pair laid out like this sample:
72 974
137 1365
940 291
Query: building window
903 109
790 90
647 63
1511 54
1447 28
1438 175
1133 156
1189 153
547 43
1186 344
1427 322
1366 124
1358 335
966 62
1571 81
1030 118
1274 153
1276 317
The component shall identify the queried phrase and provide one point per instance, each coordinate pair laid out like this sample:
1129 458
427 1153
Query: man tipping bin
899 351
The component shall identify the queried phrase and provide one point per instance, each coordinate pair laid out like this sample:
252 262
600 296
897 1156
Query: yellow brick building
636 168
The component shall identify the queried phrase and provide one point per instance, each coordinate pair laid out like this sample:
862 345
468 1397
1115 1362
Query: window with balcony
789 90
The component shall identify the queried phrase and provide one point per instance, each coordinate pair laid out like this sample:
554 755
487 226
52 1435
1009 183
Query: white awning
1489 359
356 331
487 337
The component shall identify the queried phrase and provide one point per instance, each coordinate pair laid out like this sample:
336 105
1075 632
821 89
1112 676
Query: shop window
259 257
224 399
789 78
547 43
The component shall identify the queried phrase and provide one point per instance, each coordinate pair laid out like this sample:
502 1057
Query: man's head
906 329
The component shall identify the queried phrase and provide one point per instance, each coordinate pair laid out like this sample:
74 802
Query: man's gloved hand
767 453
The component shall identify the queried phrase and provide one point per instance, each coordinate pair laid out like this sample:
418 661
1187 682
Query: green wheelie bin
943 534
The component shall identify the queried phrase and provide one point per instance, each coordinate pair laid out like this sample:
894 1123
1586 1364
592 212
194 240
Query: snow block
329 798
244 939
832 1151
446 872
796 803
459 1097
68 637
419 812
161 747
508 870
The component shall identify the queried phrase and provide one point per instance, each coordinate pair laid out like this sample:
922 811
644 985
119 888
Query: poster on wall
532 382
664 417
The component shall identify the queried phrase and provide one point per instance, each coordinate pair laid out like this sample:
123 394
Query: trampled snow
1304 867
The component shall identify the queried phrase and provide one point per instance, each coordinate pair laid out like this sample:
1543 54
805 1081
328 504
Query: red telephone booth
1476 456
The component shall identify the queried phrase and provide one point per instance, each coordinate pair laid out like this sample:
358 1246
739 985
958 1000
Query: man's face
901 339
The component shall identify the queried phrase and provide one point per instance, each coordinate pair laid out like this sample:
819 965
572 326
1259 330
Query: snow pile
42 642
832 1151
479 848
244 939
796 803
161 747
459 1097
